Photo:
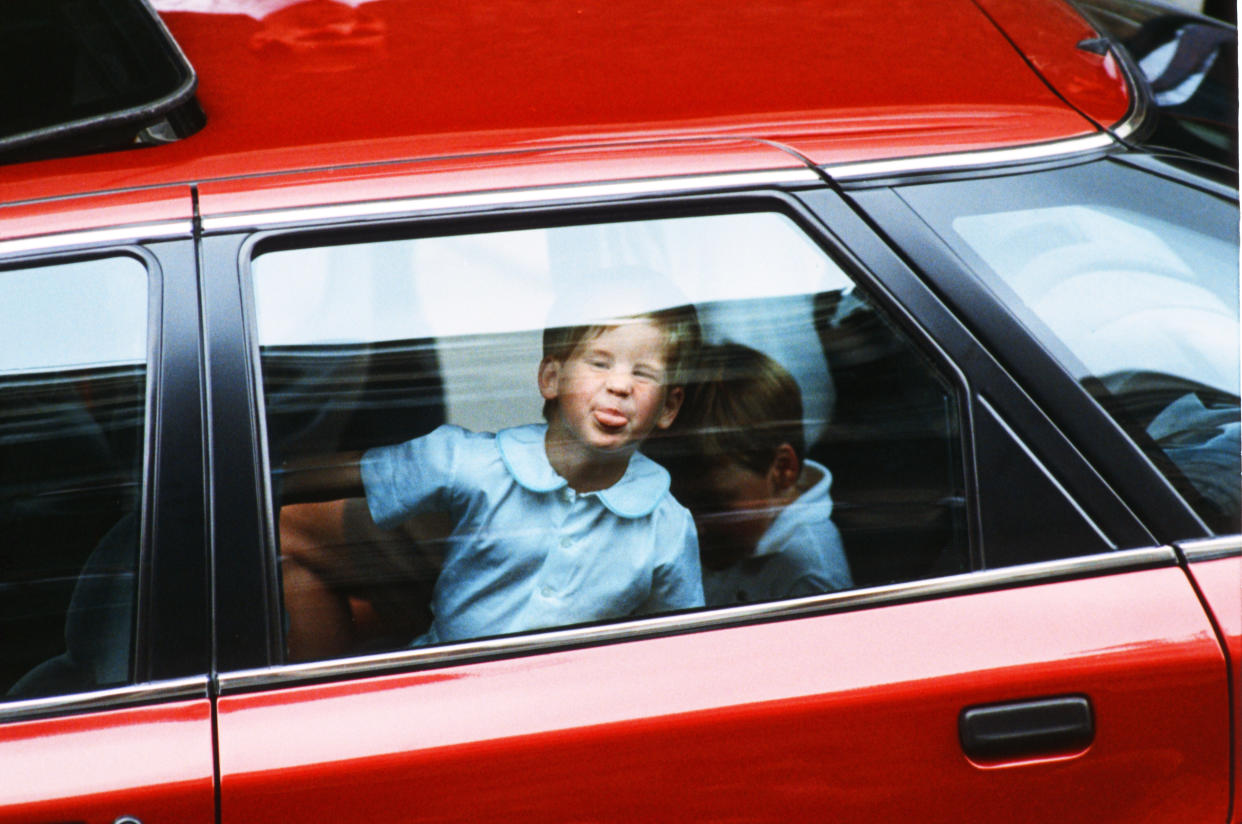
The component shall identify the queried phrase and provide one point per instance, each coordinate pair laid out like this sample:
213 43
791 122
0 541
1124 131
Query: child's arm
417 476
677 583
321 478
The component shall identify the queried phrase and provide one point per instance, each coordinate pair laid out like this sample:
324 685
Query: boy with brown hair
557 523
762 508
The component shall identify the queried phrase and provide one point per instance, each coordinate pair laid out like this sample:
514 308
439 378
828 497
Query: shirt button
545 591
565 542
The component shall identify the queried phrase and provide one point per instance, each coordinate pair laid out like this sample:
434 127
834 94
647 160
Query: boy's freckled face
610 392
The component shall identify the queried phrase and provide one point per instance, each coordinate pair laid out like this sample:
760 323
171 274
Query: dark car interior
70 457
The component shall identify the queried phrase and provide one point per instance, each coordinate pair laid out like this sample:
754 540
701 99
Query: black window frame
133 42
170 619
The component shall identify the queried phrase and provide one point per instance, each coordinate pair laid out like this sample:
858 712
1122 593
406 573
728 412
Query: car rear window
1131 282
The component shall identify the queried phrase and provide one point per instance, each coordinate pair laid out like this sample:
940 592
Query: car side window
73 356
808 446
1133 287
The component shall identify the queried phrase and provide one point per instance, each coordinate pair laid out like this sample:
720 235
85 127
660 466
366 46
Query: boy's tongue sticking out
611 418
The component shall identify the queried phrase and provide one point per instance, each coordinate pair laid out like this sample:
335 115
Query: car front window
1134 290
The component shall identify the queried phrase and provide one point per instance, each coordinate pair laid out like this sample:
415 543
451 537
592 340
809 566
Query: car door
1074 676
104 714
1124 272
1215 567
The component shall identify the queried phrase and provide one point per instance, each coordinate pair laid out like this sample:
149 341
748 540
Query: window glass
1132 283
723 364
72 388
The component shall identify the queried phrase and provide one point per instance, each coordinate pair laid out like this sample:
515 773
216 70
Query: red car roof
321 84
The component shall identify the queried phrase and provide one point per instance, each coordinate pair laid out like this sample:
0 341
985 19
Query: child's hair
680 325
740 406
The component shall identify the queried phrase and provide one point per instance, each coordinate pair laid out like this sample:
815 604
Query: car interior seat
99 622
889 445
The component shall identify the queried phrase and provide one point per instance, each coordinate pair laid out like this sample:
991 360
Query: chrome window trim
551 640
272 218
105 699
133 233
952 161
1139 107
1211 549
509 197
1131 122
1136 85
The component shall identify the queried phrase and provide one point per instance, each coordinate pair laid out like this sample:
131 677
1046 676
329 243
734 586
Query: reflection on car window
428 445
1138 298
72 389
1190 66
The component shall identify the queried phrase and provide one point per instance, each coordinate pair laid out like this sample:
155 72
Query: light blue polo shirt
528 551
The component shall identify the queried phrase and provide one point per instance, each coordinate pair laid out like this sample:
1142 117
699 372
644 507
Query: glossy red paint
318 84
517 170
95 212
152 763
1048 33
1220 581
853 719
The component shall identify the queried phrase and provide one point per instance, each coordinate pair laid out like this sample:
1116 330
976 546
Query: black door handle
1040 726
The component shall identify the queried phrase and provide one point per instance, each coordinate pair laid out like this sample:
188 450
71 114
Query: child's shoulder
451 438
451 431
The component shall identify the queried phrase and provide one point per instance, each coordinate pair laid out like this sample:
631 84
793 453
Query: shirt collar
637 494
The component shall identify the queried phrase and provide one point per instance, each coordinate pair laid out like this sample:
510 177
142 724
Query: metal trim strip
466 652
107 699
674 185
120 234
1211 549
970 160
1133 121
507 197
1140 96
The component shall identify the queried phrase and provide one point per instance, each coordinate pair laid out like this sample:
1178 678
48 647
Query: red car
990 248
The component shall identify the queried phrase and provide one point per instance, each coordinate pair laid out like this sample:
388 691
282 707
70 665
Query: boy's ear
549 377
785 468
673 400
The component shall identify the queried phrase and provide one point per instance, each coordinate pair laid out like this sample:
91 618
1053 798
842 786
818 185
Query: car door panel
152 763
1219 579
851 715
